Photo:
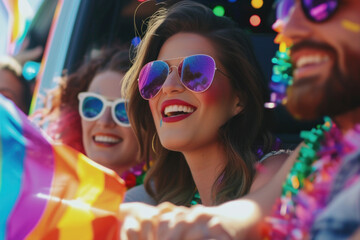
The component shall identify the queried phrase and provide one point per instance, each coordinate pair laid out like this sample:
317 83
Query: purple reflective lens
319 10
152 77
315 10
197 72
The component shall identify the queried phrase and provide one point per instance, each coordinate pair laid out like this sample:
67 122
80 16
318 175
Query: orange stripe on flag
109 201
83 202
64 186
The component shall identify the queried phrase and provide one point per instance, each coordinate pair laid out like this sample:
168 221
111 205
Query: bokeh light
135 41
30 70
270 105
255 20
257 3
219 11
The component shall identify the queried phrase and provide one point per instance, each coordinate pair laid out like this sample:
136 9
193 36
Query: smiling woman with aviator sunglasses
198 87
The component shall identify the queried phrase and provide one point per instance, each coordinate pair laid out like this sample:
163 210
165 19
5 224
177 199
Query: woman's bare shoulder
268 166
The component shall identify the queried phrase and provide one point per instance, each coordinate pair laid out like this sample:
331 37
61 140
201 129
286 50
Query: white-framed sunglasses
92 106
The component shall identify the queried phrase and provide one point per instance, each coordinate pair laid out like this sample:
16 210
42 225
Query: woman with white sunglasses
93 115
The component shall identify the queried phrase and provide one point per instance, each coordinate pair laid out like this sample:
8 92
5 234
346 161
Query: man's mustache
312 45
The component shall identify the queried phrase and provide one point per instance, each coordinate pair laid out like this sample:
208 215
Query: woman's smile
176 110
106 140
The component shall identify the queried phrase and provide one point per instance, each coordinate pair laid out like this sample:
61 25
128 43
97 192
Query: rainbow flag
50 191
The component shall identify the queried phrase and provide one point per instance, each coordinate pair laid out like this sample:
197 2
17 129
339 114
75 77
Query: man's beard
340 93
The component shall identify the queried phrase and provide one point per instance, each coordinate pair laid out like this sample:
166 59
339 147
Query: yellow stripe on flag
77 221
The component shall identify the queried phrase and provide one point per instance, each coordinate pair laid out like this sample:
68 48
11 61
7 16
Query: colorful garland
135 175
309 182
281 77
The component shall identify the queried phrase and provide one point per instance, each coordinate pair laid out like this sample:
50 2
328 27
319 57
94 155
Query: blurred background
96 23
71 31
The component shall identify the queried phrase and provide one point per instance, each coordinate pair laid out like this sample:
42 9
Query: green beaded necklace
196 199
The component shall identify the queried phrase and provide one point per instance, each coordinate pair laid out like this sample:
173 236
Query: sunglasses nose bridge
106 118
172 82
172 66
171 69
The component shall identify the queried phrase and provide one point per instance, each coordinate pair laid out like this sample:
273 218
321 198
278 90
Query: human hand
194 223
237 219
140 221
228 221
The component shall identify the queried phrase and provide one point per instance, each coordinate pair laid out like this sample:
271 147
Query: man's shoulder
341 217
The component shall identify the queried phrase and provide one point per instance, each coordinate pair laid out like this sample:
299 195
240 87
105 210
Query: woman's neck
205 166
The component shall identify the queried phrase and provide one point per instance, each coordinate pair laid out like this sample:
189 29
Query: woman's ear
239 104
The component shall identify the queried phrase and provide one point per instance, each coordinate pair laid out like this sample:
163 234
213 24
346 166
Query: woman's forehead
186 44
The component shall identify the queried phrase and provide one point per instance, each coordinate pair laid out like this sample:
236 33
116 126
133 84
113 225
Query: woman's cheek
215 93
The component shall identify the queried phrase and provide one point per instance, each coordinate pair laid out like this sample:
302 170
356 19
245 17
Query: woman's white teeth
313 59
177 109
106 139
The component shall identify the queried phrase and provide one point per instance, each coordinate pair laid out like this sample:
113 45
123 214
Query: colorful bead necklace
135 175
281 77
307 187
196 199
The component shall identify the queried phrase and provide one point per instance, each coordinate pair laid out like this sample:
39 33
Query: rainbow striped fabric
50 191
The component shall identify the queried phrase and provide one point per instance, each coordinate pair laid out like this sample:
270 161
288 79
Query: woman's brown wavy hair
169 178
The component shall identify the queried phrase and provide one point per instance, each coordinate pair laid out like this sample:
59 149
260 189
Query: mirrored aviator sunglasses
315 10
196 74
92 106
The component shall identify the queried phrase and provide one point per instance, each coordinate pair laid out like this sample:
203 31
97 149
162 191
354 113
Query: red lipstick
179 117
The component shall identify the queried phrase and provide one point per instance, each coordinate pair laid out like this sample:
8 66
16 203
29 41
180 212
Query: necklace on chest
135 175
308 185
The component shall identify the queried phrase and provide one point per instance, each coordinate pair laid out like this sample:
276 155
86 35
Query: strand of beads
196 199
304 189
307 156
135 175
281 77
